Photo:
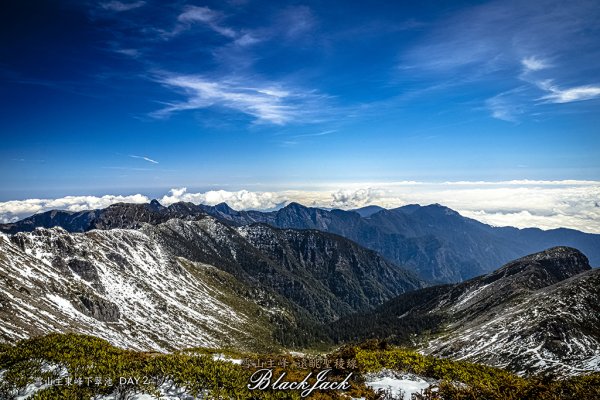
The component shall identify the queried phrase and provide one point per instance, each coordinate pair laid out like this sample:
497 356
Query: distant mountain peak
548 267
407 209
440 207
561 254
294 204
557 252
433 240
224 208
155 205
367 211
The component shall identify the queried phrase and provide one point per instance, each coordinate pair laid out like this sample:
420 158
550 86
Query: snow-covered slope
553 329
540 313
180 283
119 285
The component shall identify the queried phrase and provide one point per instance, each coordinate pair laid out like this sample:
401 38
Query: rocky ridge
537 313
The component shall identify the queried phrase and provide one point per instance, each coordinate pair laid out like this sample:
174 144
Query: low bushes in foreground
72 356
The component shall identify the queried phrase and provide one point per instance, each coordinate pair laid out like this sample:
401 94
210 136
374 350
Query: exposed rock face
71 221
538 313
84 269
98 308
182 278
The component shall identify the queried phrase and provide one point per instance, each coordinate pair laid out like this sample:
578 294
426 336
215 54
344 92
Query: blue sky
132 97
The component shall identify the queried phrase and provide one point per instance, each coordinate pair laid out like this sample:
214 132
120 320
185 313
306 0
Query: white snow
223 357
397 383
150 294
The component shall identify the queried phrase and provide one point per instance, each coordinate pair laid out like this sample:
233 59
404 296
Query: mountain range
149 277
435 242
180 283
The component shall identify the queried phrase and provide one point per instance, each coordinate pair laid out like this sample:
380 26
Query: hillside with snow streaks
555 329
181 283
539 313
119 285
433 241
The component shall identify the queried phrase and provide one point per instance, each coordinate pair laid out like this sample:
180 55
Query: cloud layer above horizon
541 204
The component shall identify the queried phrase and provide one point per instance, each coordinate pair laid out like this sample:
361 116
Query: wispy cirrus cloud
268 103
568 95
513 104
295 21
509 42
144 158
499 35
533 63
509 105
232 84
133 53
503 108
316 134
204 15
120 6
291 23
294 140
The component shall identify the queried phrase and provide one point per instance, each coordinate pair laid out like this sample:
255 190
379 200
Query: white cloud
207 16
577 93
119 6
520 203
534 64
509 105
543 204
144 158
356 198
247 39
240 200
322 133
503 109
484 43
133 53
526 219
267 103
494 34
14 210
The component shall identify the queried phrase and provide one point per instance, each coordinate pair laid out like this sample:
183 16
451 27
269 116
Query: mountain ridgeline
150 277
180 283
537 313
435 242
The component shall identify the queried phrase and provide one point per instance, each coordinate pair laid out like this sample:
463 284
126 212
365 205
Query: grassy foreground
202 376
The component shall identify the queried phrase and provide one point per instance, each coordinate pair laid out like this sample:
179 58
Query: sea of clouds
524 203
